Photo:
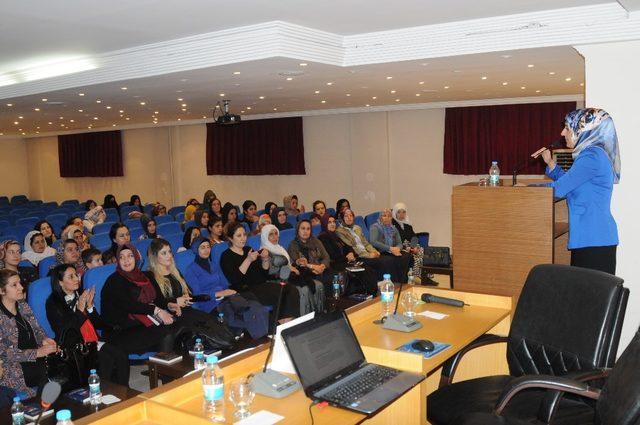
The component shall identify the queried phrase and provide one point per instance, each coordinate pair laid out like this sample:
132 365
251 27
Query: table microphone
269 382
428 298
400 322
50 393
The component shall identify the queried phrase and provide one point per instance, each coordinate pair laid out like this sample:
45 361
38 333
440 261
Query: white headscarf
394 213
274 249
30 255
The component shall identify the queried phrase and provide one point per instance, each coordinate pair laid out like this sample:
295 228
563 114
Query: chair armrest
551 400
449 367
544 381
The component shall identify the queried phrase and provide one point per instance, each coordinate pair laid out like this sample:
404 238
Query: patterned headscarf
3 250
594 127
79 265
388 230
94 214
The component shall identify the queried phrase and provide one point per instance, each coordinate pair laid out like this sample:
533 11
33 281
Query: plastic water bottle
386 294
494 174
17 412
410 277
63 417
336 287
198 347
213 388
198 361
95 395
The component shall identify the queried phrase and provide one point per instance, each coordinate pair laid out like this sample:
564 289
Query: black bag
241 313
196 324
70 366
436 256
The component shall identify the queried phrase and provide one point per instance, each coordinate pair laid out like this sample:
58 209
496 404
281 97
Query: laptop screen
321 348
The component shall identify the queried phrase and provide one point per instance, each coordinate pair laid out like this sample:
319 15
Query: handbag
241 314
437 256
70 366
197 324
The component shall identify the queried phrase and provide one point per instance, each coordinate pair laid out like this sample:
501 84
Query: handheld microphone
556 143
428 298
50 393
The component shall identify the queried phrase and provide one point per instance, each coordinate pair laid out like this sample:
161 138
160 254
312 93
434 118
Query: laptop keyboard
363 384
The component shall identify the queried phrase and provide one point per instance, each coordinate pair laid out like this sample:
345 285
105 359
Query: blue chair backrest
142 246
45 264
371 218
190 223
133 223
161 219
240 217
360 222
136 233
216 253
125 210
57 225
19 200
71 202
331 211
49 205
57 216
39 291
25 263
175 241
9 237
36 213
204 233
286 236
102 228
304 216
171 228
112 215
315 230
246 227
292 220
96 278
78 213
423 239
180 217
56 243
27 221
148 209
183 260
101 241
3 225
254 242
20 230
176 210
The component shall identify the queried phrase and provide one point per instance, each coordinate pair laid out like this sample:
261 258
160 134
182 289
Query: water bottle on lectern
494 174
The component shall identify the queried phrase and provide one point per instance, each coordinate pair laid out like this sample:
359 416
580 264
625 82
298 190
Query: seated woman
73 222
315 220
136 202
159 210
208 196
190 235
262 221
44 227
386 239
281 268
93 217
110 202
129 304
149 227
319 208
341 255
204 278
309 256
189 213
249 209
76 233
341 205
290 203
201 217
244 273
119 235
351 234
216 231
269 206
90 204
229 213
215 208
279 219
70 307
36 248
22 339
400 220
10 255
69 253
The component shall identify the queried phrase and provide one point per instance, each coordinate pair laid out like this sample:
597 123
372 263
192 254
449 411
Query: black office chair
567 321
617 404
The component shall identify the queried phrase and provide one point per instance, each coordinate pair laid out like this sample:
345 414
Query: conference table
180 401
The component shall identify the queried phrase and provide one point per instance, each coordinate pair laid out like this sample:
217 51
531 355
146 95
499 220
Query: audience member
90 204
93 217
209 195
110 202
159 210
320 208
10 255
70 307
201 217
68 253
44 227
22 339
229 213
76 233
342 204
263 220
190 235
290 203
136 202
310 257
279 219
91 258
409 238
36 248
129 304
269 206
119 235
149 228
216 232
245 272
386 239
249 210
216 208
314 219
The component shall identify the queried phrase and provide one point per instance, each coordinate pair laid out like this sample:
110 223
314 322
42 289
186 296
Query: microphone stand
400 322
519 168
269 382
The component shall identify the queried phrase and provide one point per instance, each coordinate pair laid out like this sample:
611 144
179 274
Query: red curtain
475 136
90 154
256 147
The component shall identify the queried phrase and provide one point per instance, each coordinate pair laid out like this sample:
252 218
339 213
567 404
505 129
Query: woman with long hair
47 230
10 255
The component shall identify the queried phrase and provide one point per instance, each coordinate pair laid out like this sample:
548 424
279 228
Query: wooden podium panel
500 233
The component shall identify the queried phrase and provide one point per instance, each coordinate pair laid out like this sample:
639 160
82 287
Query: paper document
433 315
280 360
262 417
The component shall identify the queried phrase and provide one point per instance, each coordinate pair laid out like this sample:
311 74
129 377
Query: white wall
612 83
13 169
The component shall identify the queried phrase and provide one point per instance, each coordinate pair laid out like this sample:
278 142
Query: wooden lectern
500 233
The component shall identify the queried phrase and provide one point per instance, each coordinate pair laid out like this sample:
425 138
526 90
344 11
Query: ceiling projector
224 117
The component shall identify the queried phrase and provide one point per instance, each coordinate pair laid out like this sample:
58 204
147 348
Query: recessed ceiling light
98 101
127 118
303 64
236 72
249 108
179 119
417 94
123 88
530 65
568 79
389 77
184 105
323 101
483 77
95 118
71 120
80 110
204 117
367 105
143 103
261 97
424 63
374 97
20 117
330 83
44 99
317 92
456 71
121 111
60 118
80 94
184 109
184 80
108 107
581 84
16 123
505 56
397 100
9 104
537 91
221 95
50 123
446 87
552 73
289 78
36 109
180 99
156 112
348 94
522 88
392 91
504 83
275 109
113 125
242 112
421 82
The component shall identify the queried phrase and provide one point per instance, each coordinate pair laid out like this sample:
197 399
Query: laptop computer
331 366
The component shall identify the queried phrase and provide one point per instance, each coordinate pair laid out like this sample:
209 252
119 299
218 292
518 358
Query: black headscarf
275 222
205 263
144 221
186 239
110 202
